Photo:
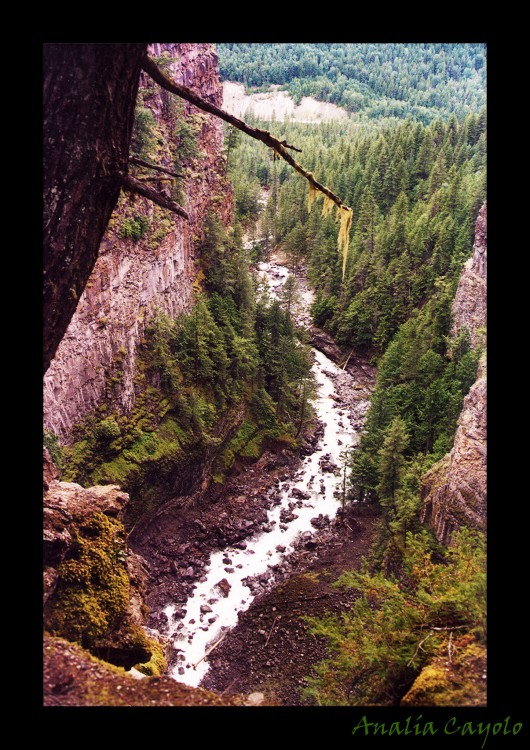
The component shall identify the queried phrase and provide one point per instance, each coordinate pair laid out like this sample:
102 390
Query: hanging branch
155 179
147 165
152 70
135 186
279 148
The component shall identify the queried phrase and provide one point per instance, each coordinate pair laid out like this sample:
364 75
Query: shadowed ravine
308 499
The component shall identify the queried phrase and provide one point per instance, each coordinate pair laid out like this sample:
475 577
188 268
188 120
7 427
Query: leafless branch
147 165
208 652
135 186
418 648
279 147
450 647
270 632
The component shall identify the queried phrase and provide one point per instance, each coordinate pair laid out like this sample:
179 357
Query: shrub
106 430
51 442
134 227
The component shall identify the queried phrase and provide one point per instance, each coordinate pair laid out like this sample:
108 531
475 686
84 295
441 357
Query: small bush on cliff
143 136
133 227
107 430
186 135
51 442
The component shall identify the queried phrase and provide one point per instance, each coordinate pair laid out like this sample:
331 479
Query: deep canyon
210 562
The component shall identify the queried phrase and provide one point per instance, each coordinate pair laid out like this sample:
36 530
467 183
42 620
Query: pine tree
426 156
232 139
391 465
289 294
365 230
437 173
295 244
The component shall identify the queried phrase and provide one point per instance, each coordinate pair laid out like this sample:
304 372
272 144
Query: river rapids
315 489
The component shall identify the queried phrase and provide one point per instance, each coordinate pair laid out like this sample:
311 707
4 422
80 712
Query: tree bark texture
89 99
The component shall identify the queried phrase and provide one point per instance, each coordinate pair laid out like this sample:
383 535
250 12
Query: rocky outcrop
134 277
66 507
454 490
94 585
73 677
469 305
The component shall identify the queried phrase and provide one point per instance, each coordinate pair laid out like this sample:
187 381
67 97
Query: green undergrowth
400 624
211 387
93 588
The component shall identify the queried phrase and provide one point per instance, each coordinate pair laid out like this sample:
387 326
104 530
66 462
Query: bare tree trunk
89 98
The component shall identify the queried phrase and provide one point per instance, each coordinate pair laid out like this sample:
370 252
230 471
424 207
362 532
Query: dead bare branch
279 147
450 647
270 632
147 165
135 186
209 651
419 647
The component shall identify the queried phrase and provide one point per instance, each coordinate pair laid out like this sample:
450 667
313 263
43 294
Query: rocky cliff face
469 305
454 489
135 276
94 585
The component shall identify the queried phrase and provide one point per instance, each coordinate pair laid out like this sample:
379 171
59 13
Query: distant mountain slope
422 81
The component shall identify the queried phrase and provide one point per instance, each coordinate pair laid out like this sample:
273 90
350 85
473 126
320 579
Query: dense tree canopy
422 81
415 191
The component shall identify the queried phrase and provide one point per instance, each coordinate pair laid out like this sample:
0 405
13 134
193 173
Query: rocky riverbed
215 560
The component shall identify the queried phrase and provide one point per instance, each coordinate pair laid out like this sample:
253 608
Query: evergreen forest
413 171
422 81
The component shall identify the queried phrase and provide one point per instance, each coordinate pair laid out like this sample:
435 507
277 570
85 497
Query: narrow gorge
265 422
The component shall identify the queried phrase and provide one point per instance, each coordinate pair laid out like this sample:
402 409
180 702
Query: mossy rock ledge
94 585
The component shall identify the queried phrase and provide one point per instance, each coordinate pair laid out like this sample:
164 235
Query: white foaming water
197 634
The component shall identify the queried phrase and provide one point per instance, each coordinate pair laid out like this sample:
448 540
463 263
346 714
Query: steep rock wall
133 278
469 305
454 489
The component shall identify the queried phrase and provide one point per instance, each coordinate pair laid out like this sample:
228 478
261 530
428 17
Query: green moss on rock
92 592
461 682
157 664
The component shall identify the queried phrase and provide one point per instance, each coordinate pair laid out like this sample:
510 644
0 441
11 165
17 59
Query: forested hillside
415 191
422 81
235 355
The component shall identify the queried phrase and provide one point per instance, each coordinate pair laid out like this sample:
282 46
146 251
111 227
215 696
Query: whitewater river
211 611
